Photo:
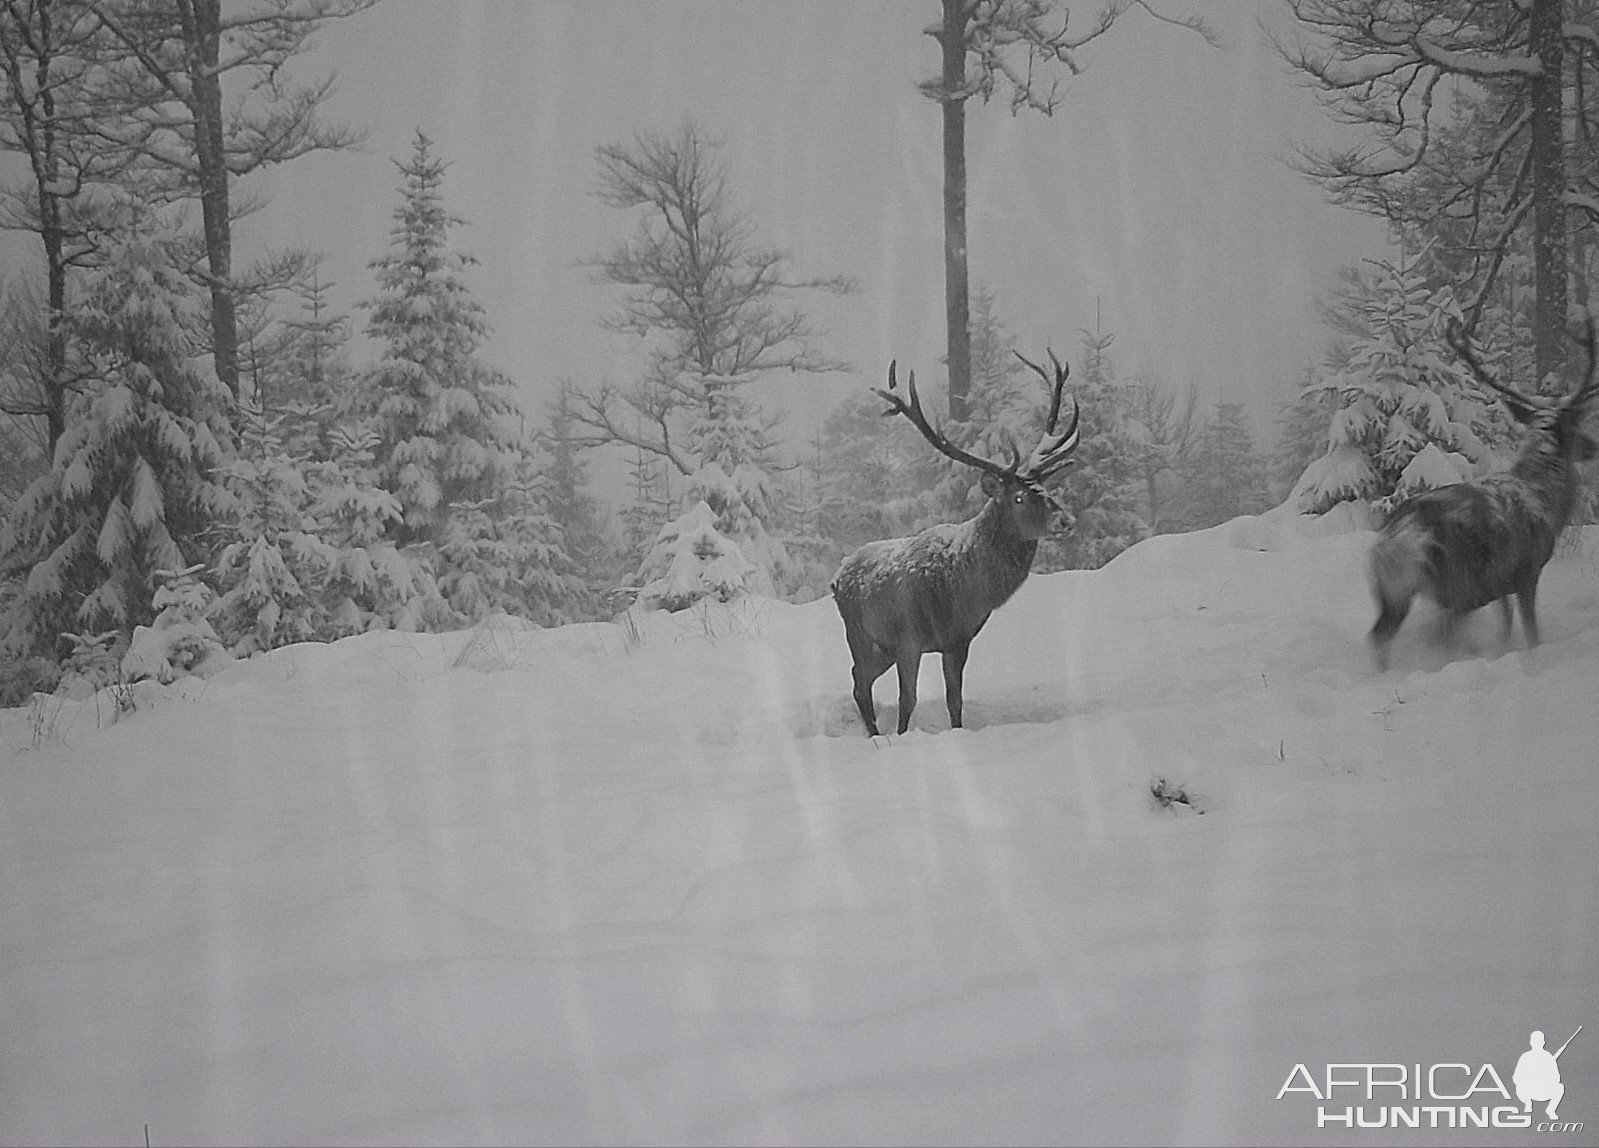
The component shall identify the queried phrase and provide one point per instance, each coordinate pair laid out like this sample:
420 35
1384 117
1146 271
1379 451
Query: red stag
905 597
1473 543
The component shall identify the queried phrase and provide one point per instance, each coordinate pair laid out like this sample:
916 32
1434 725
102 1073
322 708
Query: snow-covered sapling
1473 543
905 597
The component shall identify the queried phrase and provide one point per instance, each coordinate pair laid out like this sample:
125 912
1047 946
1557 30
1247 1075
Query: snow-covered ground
653 884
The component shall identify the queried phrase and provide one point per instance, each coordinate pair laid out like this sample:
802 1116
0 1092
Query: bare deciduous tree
695 279
1164 430
1459 108
47 48
986 45
170 115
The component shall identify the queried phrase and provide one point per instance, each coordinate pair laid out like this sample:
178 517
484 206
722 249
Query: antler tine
1456 336
918 417
1058 383
1050 455
1054 454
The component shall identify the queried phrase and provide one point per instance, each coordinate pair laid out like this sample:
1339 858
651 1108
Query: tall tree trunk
36 129
202 30
1548 194
55 387
54 236
957 317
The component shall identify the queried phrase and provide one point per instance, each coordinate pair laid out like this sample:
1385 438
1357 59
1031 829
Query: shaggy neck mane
992 541
1542 465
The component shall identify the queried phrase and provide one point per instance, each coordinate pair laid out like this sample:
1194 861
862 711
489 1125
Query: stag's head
1017 488
1554 425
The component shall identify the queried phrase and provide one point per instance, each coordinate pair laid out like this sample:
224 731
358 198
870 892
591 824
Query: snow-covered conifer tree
1100 491
648 504
1302 421
134 485
272 572
1003 407
507 554
444 418
1406 416
374 583
314 383
575 510
1224 476
729 439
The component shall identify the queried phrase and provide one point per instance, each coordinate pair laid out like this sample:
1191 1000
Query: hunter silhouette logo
1537 1075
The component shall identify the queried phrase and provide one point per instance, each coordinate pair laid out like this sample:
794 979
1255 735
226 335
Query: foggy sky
1156 194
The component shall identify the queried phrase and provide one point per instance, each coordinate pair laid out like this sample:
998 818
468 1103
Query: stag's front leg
1506 615
954 675
908 664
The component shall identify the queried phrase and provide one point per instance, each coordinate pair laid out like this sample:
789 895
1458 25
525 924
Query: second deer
905 597
1473 543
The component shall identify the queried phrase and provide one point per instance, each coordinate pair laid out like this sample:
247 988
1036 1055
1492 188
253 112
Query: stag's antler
1456 336
913 411
1590 385
1051 455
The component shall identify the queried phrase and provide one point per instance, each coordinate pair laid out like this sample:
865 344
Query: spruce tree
314 390
576 512
646 509
272 572
1099 491
1407 417
442 416
134 485
1224 476
1302 422
373 583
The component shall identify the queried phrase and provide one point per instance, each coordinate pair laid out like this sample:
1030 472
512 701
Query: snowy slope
652 884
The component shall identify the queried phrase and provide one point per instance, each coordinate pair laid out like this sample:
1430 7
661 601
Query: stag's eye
1020 498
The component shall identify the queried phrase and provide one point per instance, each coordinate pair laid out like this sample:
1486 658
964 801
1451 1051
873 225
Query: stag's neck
1544 468
1006 556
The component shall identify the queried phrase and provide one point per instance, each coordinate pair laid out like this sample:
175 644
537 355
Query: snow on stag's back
904 597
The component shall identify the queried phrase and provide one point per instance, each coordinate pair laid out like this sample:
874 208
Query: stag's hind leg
871 660
1391 615
1527 600
1397 572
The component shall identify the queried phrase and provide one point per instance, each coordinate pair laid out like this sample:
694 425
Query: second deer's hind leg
1391 615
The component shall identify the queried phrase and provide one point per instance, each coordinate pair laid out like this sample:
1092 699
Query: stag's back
935 589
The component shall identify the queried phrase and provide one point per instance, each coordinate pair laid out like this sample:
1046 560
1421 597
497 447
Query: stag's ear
993 485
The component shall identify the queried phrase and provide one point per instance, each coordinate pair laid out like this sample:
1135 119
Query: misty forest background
201 446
